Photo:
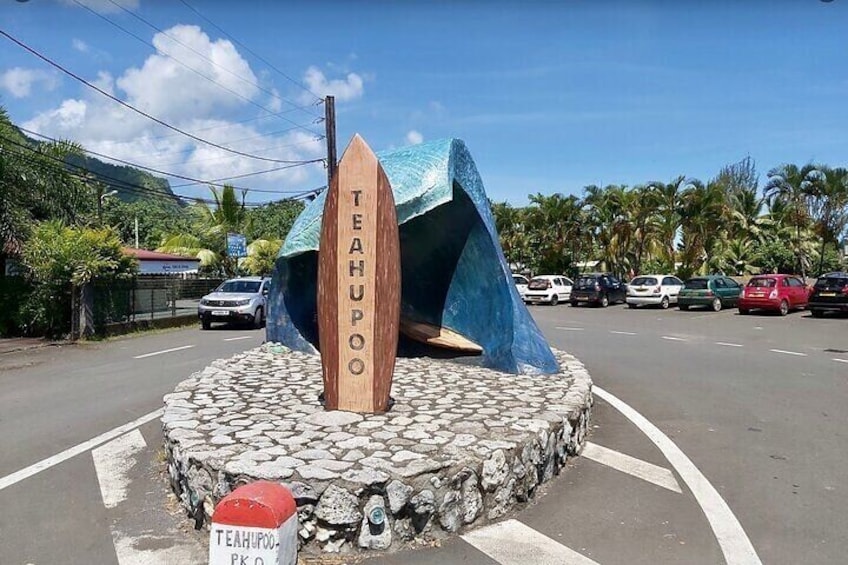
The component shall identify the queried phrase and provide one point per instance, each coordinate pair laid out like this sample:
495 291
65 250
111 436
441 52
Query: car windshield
697 284
832 282
519 280
763 283
586 281
643 281
242 287
538 283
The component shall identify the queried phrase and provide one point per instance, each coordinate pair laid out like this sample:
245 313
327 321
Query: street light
100 204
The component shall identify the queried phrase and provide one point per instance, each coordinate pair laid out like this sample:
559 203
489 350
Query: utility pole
330 128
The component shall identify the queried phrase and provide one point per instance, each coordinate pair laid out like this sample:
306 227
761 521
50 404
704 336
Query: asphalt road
755 402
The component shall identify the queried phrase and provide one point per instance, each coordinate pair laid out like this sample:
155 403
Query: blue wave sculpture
453 270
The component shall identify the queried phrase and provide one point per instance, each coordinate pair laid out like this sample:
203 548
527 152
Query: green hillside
132 184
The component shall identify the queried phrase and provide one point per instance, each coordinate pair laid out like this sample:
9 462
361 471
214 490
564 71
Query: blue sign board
236 245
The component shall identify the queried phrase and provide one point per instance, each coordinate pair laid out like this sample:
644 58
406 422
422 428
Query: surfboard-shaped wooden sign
358 284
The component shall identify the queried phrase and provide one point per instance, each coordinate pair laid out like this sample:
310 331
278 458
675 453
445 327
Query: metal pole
330 128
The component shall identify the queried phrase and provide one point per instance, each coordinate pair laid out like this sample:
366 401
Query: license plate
758 295
220 312
828 294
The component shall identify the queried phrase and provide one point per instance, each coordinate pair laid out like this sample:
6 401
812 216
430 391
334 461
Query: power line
184 177
246 48
86 174
188 67
136 110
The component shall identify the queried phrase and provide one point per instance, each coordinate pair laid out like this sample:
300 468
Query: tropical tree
555 232
827 193
666 198
261 256
273 220
786 189
509 222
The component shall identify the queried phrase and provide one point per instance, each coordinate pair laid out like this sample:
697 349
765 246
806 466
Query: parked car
780 293
830 294
601 289
656 290
548 288
713 291
235 300
521 283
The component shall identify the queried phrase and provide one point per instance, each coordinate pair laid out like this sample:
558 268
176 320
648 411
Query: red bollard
256 524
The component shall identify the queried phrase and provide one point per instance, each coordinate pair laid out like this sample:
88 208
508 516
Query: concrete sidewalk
13 344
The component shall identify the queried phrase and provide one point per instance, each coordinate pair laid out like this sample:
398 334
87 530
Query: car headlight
244 302
204 302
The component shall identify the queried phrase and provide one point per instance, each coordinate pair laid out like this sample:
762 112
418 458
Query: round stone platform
461 446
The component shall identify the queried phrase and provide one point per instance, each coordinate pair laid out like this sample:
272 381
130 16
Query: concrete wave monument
404 393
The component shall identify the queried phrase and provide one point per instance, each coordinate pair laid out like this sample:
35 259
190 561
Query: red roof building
156 263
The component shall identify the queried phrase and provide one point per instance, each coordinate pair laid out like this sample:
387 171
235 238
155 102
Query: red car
780 293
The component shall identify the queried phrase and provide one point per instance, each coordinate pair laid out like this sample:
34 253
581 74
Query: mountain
132 184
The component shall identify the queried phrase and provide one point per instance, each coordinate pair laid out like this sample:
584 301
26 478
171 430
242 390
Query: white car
654 290
236 300
548 288
520 284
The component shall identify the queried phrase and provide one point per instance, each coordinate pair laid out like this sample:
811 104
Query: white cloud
414 137
20 82
167 90
348 88
103 6
79 45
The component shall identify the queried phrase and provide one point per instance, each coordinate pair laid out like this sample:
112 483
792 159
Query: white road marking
840 360
668 337
655 474
238 338
112 462
128 552
788 352
726 344
513 543
570 329
621 333
45 464
732 539
163 351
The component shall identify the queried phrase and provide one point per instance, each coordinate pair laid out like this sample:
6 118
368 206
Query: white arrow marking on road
512 543
732 539
163 351
655 474
45 464
238 338
112 463
725 344
570 329
788 352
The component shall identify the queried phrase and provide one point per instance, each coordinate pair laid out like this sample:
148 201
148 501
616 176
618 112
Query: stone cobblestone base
462 445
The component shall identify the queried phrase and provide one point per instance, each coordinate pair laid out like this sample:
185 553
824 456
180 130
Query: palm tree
667 200
554 226
786 188
211 226
261 256
827 192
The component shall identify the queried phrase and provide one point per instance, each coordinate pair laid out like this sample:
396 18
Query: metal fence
143 298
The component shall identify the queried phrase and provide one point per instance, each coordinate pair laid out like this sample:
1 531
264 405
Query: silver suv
236 300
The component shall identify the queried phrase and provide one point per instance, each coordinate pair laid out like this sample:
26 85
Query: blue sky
548 96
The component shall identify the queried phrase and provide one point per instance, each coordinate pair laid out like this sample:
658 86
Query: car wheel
744 311
784 308
205 324
257 318
817 313
683 307
604 302
631 306
554 300
716 304
575 304
664 303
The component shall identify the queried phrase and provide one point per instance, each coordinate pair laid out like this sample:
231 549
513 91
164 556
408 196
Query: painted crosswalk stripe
569 329
163 351
840 360
788 352
513 543
670 338
45 464
655 474
112 462
621 333
726 344
238 338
